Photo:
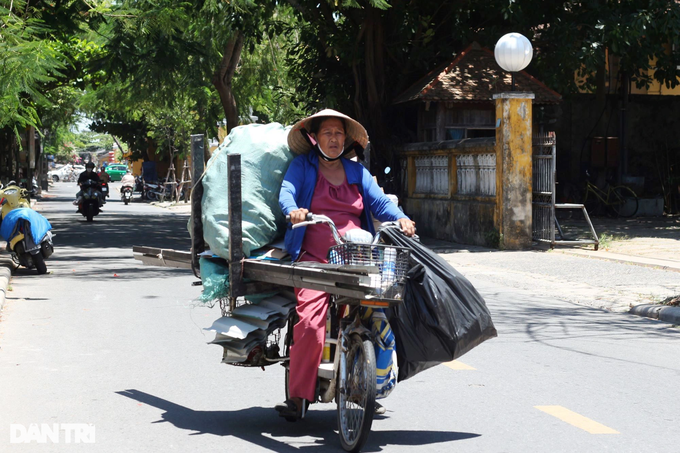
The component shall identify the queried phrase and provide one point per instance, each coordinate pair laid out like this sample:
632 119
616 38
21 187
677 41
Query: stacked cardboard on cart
249 326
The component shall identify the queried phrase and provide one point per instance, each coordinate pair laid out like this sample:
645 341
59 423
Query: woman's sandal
289 410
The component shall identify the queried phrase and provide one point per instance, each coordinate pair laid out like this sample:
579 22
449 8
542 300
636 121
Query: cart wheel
356 401
287 343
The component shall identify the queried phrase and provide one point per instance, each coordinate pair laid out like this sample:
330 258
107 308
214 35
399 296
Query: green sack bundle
265 157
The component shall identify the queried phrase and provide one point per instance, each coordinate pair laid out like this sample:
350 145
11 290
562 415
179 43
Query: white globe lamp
513 52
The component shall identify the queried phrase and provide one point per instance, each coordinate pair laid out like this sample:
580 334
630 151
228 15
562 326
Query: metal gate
543 196
543 187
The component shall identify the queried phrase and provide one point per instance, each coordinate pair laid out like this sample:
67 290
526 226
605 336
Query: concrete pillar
514 168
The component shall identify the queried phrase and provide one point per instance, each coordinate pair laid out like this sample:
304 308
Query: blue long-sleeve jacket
298 187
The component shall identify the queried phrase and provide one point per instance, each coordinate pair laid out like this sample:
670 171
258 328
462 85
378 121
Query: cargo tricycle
358 276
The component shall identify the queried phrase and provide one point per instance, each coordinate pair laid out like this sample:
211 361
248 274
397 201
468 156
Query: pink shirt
343 204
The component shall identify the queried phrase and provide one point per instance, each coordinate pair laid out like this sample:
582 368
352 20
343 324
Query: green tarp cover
265 157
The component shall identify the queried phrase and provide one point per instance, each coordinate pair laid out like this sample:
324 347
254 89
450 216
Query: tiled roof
474 76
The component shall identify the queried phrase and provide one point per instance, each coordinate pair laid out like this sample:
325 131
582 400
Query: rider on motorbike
128 180
105 178
127 187
88 174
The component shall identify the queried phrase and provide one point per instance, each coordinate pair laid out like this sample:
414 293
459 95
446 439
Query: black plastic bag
442 316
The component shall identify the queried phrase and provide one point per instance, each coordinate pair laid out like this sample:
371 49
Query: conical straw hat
355 132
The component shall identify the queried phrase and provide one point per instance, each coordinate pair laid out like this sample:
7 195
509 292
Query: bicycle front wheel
624 202
356 400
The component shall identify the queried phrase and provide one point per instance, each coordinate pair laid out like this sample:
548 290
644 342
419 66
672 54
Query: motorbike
152 191
105 191
35 188
139 184
90 199
126 194
28 234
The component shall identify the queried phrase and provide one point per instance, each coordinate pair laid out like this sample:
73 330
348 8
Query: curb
663 313
660 264
5 277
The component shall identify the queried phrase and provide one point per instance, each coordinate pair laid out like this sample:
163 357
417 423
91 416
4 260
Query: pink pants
309 335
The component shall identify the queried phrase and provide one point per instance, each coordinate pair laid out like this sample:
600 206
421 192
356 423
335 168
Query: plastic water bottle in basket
389 268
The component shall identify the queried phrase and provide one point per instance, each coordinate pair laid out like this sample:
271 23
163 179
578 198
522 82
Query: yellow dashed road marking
456 365
577 420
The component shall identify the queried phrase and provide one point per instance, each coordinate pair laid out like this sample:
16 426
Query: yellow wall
655 88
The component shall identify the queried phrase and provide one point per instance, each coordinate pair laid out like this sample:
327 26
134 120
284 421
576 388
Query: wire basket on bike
390 262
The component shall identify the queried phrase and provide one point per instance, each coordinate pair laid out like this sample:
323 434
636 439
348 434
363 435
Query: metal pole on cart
197 161
236 286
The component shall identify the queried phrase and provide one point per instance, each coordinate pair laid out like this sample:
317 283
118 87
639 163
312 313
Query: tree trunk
222 79
373 106
120 147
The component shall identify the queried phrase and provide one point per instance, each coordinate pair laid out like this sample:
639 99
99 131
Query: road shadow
558 324
263 427
123 231
113 228
640 227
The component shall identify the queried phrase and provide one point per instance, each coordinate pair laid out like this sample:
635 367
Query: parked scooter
90 199
28 234
152 191
139 184
35 188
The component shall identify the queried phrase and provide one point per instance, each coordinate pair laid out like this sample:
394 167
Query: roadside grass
606 239
671 301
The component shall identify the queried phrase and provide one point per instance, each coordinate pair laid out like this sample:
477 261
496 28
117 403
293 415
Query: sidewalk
645 241
648 242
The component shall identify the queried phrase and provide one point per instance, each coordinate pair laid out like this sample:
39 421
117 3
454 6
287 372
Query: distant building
455 100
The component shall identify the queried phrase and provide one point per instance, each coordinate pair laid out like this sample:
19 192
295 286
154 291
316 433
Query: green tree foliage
359 55
151 66
68 144
27 63
43 59
162 48
177 68
573 36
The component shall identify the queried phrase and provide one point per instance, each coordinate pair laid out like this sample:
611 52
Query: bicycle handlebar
315 219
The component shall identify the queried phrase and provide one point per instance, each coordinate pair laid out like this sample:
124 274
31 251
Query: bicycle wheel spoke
356 398
354 393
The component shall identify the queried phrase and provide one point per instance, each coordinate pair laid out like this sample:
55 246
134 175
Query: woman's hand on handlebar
408 226
297 216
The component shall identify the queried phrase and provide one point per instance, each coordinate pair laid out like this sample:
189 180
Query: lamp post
513 52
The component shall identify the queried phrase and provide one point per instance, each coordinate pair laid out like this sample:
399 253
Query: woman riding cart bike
348 372
336 268
318 309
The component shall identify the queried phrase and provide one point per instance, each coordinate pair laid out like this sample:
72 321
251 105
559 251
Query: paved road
103 340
